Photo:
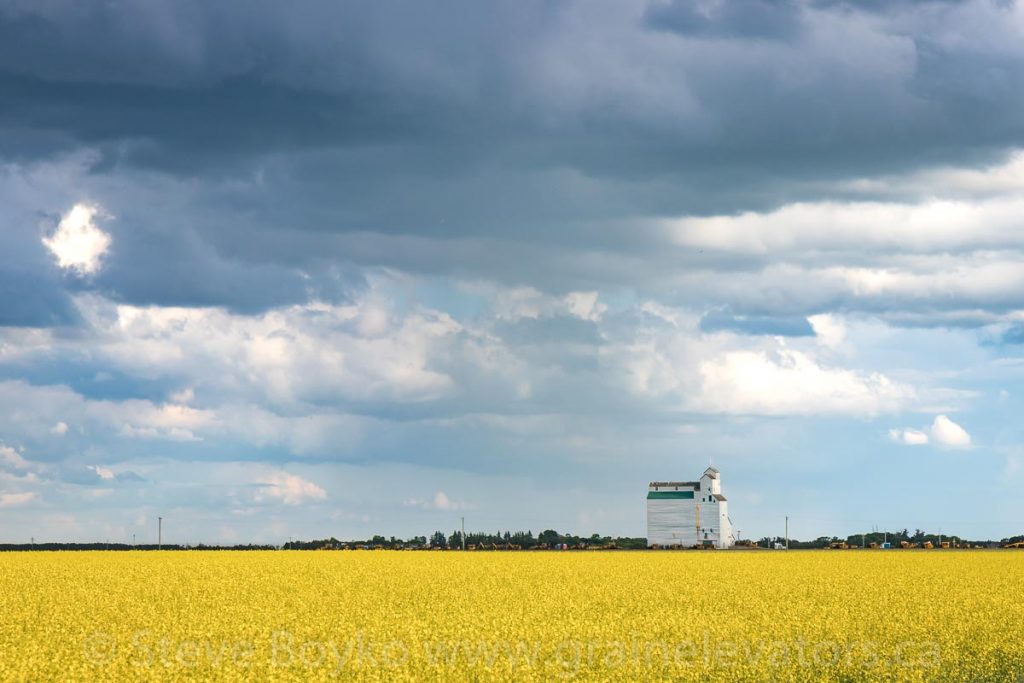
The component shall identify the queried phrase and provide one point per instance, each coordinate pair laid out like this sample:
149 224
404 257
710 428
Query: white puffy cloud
909 437
947 240
670 360
102 472
308 380
18 343
310 352
144 419
443 502
965 183
790 382
831 227
18 472
943 433
11 459
36 407
829 329
515 303
312 430
78 243
585 305
286 488
949 434
59 429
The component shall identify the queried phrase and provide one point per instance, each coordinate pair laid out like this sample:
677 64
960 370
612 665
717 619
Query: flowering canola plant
498 616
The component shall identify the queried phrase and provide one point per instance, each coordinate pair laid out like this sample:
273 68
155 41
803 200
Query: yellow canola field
628 616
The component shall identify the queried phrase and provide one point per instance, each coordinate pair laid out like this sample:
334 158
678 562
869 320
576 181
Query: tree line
918 537
520 540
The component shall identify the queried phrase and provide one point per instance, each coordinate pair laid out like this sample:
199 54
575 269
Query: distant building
689 513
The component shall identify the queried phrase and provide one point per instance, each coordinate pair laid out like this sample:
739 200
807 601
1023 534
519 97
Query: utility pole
863 541
463 533
159 533
133 540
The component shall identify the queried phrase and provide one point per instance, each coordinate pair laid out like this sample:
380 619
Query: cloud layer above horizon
344 269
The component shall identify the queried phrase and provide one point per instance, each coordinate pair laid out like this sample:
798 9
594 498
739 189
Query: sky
297 270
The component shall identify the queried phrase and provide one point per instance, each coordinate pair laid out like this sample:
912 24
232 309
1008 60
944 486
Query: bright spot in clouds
78 243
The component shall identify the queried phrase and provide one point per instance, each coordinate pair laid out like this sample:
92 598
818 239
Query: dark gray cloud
559 330
33 300
33 292
718 321
200 86
256 155
893 5
178 268
89 476
1013 335
771 19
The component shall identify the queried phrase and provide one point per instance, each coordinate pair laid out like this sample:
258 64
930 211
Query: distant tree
549 536
438 540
